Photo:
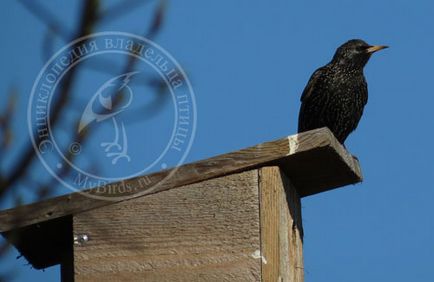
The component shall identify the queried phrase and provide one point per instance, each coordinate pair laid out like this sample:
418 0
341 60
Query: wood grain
281 227
291 227
203 232
314 160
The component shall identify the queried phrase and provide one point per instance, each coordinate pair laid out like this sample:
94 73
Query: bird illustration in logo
102 107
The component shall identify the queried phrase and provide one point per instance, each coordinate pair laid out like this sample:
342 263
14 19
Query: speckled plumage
337 93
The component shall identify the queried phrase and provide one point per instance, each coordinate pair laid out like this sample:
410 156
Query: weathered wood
207 231
314 160
281 227
291 215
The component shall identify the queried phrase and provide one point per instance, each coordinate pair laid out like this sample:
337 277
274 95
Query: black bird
337 92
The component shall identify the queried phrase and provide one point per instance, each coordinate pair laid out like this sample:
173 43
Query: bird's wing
365 98
314 80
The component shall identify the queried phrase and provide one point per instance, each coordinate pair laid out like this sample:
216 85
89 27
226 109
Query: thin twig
26 158
44 15
119 10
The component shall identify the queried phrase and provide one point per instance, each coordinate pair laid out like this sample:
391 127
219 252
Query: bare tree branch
47 18
6 122
90 16
119 10
87 21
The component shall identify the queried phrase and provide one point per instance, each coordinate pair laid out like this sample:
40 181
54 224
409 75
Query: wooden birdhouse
233 217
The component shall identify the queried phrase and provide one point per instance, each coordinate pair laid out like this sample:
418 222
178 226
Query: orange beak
376 48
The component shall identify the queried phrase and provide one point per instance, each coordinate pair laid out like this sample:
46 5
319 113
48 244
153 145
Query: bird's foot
109 145
118 156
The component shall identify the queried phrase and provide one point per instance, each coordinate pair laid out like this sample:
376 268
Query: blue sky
248 62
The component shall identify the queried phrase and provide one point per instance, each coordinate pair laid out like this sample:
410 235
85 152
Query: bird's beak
376 48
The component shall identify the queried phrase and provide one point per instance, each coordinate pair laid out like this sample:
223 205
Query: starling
337 92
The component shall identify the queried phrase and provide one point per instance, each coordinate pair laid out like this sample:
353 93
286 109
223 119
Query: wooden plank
293 229
207 231
281 227
270 209
314 160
